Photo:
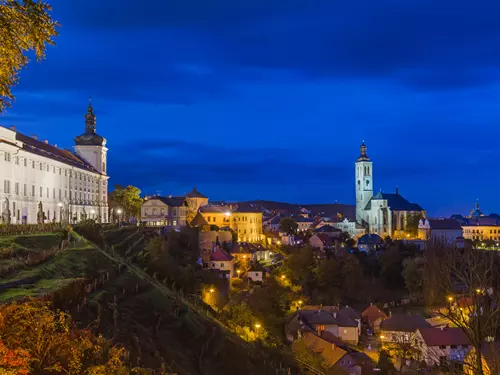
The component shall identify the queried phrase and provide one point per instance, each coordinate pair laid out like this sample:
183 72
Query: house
330 322
256 273
490 359
195 200
439 345
273 224
370 242
350 227
401 328
243 252
373 316
221 261
321 241
332 354
303 223
167 212
442 231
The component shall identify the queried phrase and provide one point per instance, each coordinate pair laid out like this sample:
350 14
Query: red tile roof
446 336
220 256
372 313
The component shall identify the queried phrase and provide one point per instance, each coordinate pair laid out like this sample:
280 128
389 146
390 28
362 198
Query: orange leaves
34 339
13 362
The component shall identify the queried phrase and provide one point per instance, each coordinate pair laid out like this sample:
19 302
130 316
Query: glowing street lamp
211 290
257 325
238 272
283 277
451 298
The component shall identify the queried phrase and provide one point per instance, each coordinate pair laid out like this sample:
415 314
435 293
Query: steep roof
324 238
444 224
65 156
325 317
373 313
220 256
170 201
446 336
404 323
199 221
211 209
331 353
395 202
195 194
327 229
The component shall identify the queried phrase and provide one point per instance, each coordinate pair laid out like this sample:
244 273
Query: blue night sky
270 99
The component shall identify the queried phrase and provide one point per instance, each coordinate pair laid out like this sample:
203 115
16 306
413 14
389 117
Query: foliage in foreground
36 340
25 26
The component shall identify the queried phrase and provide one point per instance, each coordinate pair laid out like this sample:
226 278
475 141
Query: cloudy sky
270 99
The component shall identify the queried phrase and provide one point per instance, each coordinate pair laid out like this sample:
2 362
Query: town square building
67 186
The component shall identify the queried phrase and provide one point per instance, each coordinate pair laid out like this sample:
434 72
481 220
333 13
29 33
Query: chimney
333 346
13 128
46 141
34 137
397 191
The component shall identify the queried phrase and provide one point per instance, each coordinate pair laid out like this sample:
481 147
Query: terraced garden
103 287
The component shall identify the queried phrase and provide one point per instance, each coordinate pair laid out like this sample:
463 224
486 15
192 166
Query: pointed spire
477 204
90 119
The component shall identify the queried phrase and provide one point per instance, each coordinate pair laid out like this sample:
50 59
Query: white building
70 186
383 214
441 231
439 345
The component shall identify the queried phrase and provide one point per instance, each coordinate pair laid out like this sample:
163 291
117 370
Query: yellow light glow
211 290
244 256
382 337
282 277
257 326
450 299
300 302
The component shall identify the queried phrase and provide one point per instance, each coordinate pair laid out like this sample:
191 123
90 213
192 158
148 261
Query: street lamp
238 272
92 212
211 290
119 212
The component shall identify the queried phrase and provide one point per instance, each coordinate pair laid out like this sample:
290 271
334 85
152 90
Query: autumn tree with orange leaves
36 340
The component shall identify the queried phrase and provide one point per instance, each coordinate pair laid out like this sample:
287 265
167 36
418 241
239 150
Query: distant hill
322 209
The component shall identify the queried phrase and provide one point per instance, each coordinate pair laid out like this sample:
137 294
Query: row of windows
45 166
492 231
162 212
55 192
481 238
241 218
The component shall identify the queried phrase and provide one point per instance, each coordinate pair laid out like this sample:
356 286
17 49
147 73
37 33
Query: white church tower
91 146
364 183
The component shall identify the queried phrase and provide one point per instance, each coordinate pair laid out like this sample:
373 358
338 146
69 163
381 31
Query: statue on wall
40 216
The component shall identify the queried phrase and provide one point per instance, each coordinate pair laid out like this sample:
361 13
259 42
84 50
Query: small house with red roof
373 316
438 345
222 261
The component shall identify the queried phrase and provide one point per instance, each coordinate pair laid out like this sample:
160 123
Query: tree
25 27
36 339
288 226
127 199
300 263
413 273
385 363
412 222
469 280
392 267
402 348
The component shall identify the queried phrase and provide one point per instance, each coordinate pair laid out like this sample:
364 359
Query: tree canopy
288 225
25 26
127 199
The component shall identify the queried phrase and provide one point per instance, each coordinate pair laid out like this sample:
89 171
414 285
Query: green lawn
35 242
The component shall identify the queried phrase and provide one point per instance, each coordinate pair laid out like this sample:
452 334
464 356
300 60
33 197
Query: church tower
364 183
91 146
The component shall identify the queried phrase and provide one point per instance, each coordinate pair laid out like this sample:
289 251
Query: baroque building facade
383 214
40 182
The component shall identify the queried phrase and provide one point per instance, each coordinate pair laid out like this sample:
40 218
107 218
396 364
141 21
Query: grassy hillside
104 288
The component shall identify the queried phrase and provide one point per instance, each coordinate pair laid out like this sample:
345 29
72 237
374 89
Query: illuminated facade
71 186
383 214
478 227
246 222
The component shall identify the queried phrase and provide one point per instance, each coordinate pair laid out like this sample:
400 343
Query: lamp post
119 212
450 300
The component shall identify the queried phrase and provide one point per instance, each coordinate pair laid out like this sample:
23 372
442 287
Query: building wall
154 212
255 275
315 241
209 238
27 179
481 233
432 354
227 265
247 225
349 334
195 203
